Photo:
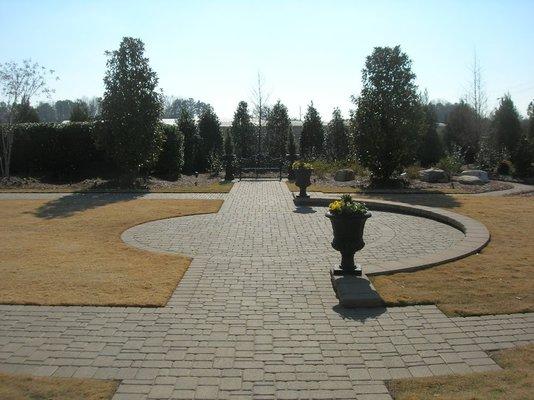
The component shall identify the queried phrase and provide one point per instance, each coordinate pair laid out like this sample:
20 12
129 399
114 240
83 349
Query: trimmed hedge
171 158
62 150
68 151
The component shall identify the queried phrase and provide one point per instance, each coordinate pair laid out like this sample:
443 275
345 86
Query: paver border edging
477 236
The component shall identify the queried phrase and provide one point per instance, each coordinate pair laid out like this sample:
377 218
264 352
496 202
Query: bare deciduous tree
18 84
476 96
260 108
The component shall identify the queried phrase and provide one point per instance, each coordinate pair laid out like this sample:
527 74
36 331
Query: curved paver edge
477 236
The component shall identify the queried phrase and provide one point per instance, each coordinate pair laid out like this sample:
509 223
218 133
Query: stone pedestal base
355 291
339 272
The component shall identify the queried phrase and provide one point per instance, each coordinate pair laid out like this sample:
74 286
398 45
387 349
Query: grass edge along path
69 252
499 280
24 387
514 382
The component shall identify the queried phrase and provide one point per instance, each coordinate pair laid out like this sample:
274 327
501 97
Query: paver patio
255 315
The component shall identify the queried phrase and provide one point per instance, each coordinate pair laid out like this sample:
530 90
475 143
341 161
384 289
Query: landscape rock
434 175
470 180
482 175
344 175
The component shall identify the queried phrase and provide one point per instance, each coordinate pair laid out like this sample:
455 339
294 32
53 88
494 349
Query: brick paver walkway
261 324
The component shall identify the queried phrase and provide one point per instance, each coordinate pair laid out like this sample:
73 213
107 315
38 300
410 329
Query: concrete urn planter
303 180
348 239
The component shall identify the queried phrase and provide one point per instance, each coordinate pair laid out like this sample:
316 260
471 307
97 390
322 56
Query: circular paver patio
388 236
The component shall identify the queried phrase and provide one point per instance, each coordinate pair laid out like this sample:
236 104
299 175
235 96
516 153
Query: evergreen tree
506 125
337 139
131 109
24 112
523 157
291 153
63 109
80 112
312 136
389 117
46 112
186 125
431 149
211 141
277 127
243 131
530 113
170 160
462 131
229 157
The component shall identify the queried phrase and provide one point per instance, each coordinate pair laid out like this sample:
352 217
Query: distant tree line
80 110
392 125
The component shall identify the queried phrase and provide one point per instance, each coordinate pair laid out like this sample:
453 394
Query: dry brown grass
515 382
69 252
21 387
499 280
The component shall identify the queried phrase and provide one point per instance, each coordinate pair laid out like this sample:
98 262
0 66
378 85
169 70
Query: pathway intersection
255 316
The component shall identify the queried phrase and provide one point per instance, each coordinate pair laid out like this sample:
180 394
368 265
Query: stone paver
262 324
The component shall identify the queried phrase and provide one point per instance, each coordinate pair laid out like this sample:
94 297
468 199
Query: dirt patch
69 251
22 387
496 281
515 382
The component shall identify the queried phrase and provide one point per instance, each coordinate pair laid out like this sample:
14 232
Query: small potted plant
348 219
303 171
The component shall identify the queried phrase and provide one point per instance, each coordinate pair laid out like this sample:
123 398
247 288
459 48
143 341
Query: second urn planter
302 172
348 220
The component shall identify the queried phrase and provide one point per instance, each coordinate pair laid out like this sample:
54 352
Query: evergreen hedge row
68 151
54 149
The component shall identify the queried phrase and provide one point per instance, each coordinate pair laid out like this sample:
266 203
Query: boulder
434 175
482 175
344 175
470 180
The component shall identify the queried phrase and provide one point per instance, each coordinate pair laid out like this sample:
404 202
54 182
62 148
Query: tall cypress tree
506 125
462 131
186 125
337 139
209 130
243 131
131 108
277 128
389 118
431 149
530 113
312 137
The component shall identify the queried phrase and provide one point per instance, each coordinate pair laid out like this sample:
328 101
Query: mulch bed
153 184
362 183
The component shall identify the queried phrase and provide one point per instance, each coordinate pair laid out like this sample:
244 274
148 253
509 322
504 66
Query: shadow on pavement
304 210
359 314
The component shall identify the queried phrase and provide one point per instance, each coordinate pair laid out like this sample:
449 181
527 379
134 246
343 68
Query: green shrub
523 158
322 167
451 164
505 167
171 158
64 150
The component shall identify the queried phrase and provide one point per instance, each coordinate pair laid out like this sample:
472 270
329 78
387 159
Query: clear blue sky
306 50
